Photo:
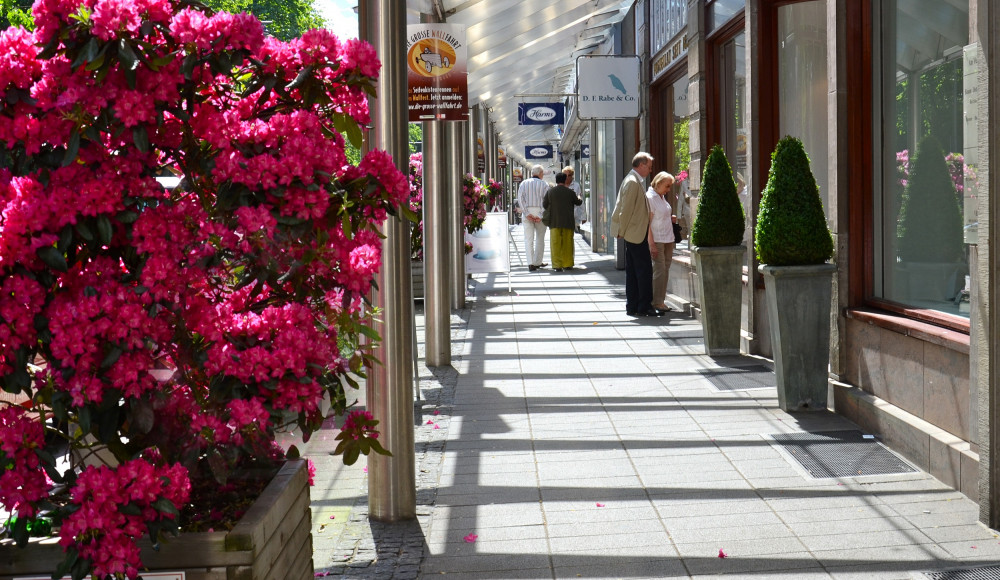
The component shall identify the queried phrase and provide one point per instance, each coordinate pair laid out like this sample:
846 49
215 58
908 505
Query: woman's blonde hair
660 177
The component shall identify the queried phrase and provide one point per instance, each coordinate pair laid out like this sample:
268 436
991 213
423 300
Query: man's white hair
537 170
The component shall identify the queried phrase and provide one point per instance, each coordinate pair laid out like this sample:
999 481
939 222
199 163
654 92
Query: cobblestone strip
374 550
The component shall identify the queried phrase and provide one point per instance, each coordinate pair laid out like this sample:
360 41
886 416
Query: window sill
951 339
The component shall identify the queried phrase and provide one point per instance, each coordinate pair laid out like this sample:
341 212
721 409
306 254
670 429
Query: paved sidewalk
569 440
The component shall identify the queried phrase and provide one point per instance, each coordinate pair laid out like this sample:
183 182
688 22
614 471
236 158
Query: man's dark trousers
638 277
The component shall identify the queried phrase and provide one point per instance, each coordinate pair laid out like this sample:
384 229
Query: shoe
542 265
558 269
532 268
651 312
663 308
631 313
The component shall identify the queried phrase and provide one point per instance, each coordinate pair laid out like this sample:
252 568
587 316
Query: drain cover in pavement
740 378
984 573
841 454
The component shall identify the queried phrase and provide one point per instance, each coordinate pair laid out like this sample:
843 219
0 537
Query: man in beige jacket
630 220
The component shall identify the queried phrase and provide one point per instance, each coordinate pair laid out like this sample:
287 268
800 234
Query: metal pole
491 150
392 488
470 141
437 315
455 131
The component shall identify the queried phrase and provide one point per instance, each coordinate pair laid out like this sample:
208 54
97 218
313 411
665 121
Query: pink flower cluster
22 481
113 508
181 327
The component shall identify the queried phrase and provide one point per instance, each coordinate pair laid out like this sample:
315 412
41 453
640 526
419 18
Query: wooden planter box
273 540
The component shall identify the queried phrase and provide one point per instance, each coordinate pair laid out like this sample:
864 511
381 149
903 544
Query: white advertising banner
607 87
489 246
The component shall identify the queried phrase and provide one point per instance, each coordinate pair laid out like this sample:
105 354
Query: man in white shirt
529 195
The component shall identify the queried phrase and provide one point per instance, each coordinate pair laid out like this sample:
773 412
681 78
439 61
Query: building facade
883 94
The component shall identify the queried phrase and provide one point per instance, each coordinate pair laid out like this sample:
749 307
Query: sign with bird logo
607 87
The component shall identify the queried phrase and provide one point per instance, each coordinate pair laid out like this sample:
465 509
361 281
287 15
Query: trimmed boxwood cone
720 220
930 219
791 226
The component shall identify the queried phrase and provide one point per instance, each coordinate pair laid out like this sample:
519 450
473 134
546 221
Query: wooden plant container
272 540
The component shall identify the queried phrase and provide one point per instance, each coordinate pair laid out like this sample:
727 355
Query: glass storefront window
802 84
925 198
720 11
735 126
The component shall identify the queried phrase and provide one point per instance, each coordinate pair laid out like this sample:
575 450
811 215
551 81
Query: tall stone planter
798 310
272 540
720 293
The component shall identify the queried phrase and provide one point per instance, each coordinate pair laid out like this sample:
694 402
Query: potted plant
474 200
157 340
929 233
793 244
719 255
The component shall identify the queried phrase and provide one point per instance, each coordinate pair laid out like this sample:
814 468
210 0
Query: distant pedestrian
580 213
661 235
560 201
630 220
529 196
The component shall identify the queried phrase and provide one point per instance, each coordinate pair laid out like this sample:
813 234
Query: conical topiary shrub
930 220
720 220
791 226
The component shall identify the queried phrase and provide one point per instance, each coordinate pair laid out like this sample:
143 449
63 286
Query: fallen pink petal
470 538
599 504
437 411
721 553
429 422
437 426
333 517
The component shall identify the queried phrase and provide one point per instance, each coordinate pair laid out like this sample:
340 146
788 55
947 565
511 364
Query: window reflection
926 203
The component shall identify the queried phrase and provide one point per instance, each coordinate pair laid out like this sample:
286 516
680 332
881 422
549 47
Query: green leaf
346 226
68 562
293 452
140 138
351 455
130 509
300 78
114 353
409 214
104 229
84 230
128 58
88 53
72 149
53 258
165 506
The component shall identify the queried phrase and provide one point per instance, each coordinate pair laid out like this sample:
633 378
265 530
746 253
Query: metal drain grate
984 573
740 378
841 454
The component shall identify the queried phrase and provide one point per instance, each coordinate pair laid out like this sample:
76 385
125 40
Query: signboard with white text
541 114
607 87
538 152
437 72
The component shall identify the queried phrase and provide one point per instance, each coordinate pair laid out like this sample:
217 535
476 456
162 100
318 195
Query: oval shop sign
541 114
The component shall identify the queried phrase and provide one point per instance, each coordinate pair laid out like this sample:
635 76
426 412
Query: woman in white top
661 235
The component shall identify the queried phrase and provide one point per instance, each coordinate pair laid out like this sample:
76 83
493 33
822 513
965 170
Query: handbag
677 232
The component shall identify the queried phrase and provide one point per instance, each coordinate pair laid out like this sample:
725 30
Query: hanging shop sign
607 87
437 72
501 157
669 55
538 152
541 114
585 151
517 175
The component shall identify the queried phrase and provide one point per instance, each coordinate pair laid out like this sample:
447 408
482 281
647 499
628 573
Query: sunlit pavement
569 440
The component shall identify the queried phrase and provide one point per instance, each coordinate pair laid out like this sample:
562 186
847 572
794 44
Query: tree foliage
284 19
930 220
15 13
791 225
720 220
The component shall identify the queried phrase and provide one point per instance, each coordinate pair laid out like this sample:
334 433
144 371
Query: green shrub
720 220
791 226
930 219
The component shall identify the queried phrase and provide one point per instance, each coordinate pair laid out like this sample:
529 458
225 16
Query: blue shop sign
541 114
538 152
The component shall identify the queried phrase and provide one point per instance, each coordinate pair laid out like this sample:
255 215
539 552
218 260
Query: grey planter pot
720 292
798 310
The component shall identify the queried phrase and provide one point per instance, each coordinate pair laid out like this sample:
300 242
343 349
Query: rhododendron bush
474 199
159 338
